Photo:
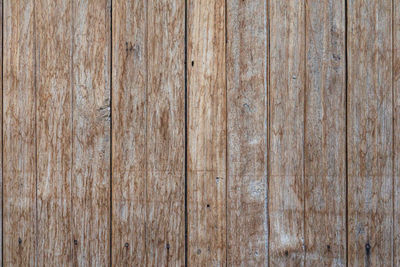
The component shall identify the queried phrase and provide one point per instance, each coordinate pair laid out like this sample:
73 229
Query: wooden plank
325 134
247 227
19 151
286 182
129 82
396 129
91 132
370 133
206 133
166 133
54 131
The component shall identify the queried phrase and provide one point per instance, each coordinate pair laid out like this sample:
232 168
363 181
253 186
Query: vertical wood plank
19 151
206 133
247 228
396 129
286 184
91 132
325 134
54 131
129 82
166 133
370 136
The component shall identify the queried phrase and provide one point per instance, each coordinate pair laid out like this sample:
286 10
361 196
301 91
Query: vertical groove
146 7
346 132
393 139
111 136
36 147
304 130
269 125
226 134
186 138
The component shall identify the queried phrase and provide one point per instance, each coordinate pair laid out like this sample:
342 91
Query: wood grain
54 132
129 83
206 133
165 235
325 134
286 180
370 133
19 151
90 184
247 229
396 130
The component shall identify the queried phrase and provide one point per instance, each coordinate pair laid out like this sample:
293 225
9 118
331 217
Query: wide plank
19 132
370 133
129 87
90 184
206 194
247 125
325 134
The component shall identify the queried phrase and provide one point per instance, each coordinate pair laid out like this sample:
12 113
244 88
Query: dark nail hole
198 251
75 242
208 205
328 247
368 248
19 240
286 253
167 246
126 245
192 63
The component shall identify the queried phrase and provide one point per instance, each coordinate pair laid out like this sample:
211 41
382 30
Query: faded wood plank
165 235
206 133
129 82
54 132
19 151
91 132
370 130
247 225
325 134
286 180
396 131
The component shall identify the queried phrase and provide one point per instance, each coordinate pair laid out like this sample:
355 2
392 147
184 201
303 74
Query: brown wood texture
286 160
247 124
206 133
370 133
325 134
200 133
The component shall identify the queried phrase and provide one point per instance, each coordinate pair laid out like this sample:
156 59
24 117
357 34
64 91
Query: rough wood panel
166 133
286 184
396 131
129 82
54 131
325 134
91 132
247 42
370 130
206 133
19 152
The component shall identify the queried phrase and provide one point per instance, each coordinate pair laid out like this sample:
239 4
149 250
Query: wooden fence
200 132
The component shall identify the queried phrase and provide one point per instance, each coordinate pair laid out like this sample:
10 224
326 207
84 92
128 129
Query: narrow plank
325 134
19 151
396 129
206 133
129 82
91 132
370 133
166 133
54 132
247 225
286 180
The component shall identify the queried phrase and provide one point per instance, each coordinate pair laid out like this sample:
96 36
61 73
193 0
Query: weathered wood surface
247 40
206 133
267 131
286 160
370 133
325 134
